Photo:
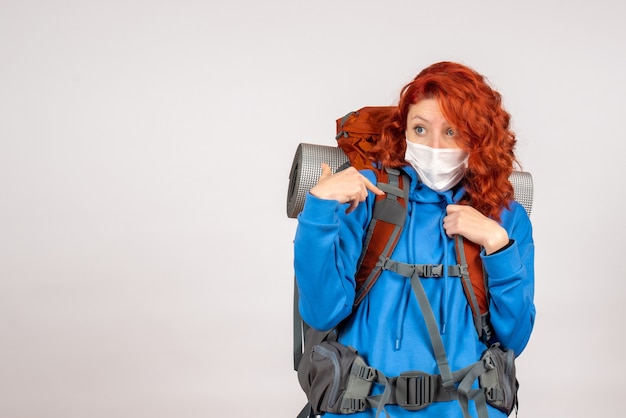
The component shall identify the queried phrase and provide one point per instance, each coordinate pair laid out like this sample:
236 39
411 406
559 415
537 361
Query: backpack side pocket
499 381
326 375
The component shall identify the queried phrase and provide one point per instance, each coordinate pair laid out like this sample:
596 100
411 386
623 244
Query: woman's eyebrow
420 117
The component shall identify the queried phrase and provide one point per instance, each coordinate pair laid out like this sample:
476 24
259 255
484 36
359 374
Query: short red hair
475 111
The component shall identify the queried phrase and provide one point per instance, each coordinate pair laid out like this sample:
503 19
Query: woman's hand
466 221
347 186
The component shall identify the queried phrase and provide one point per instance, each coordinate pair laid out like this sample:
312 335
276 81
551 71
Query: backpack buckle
384 262
489 363
357 405
427 270
493 395
415 390
352 405
365 373
432 270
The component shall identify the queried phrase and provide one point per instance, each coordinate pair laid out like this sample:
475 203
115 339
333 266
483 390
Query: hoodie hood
421 193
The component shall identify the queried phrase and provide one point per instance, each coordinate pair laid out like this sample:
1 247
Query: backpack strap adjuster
365 373
416 390
493 395
353 405
489 363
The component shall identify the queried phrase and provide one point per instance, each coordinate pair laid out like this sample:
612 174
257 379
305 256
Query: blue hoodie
387 328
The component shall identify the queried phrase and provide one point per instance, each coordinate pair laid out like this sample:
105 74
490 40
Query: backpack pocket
327 381
499 381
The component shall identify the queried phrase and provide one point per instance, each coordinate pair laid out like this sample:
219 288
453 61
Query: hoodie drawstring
408 292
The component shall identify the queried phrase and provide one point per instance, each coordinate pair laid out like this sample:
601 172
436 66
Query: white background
145 251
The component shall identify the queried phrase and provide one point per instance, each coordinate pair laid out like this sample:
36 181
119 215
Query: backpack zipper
332 356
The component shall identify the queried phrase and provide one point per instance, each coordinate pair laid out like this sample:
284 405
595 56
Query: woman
451 136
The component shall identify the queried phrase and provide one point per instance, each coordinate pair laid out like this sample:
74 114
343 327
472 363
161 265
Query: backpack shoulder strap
385 228
474 279
383 233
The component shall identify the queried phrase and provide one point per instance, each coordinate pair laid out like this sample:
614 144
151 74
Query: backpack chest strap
482 321
420 270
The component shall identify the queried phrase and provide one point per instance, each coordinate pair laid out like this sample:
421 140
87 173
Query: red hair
475 112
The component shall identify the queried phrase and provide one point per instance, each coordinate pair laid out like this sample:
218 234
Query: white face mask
439 168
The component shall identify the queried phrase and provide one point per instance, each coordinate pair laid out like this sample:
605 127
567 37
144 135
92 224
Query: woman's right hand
346 186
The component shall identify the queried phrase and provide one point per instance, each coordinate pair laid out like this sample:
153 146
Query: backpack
357 132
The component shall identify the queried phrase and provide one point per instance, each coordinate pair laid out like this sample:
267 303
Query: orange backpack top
358 131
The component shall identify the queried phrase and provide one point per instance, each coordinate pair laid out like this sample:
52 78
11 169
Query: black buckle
432 270
415 390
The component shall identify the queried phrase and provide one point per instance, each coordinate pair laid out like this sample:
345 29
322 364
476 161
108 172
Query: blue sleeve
511 275
327 247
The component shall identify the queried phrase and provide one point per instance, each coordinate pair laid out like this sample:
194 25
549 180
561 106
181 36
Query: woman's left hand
466 221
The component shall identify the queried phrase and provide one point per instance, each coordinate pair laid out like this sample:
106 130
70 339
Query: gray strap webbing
390 187
433 331
307 412
362 376
466 392
299 329
380 402
422 270
448 379
360 381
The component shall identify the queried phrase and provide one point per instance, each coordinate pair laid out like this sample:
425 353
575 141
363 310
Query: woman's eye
420 130
450 132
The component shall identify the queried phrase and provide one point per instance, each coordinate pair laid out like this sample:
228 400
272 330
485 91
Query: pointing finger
372 187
